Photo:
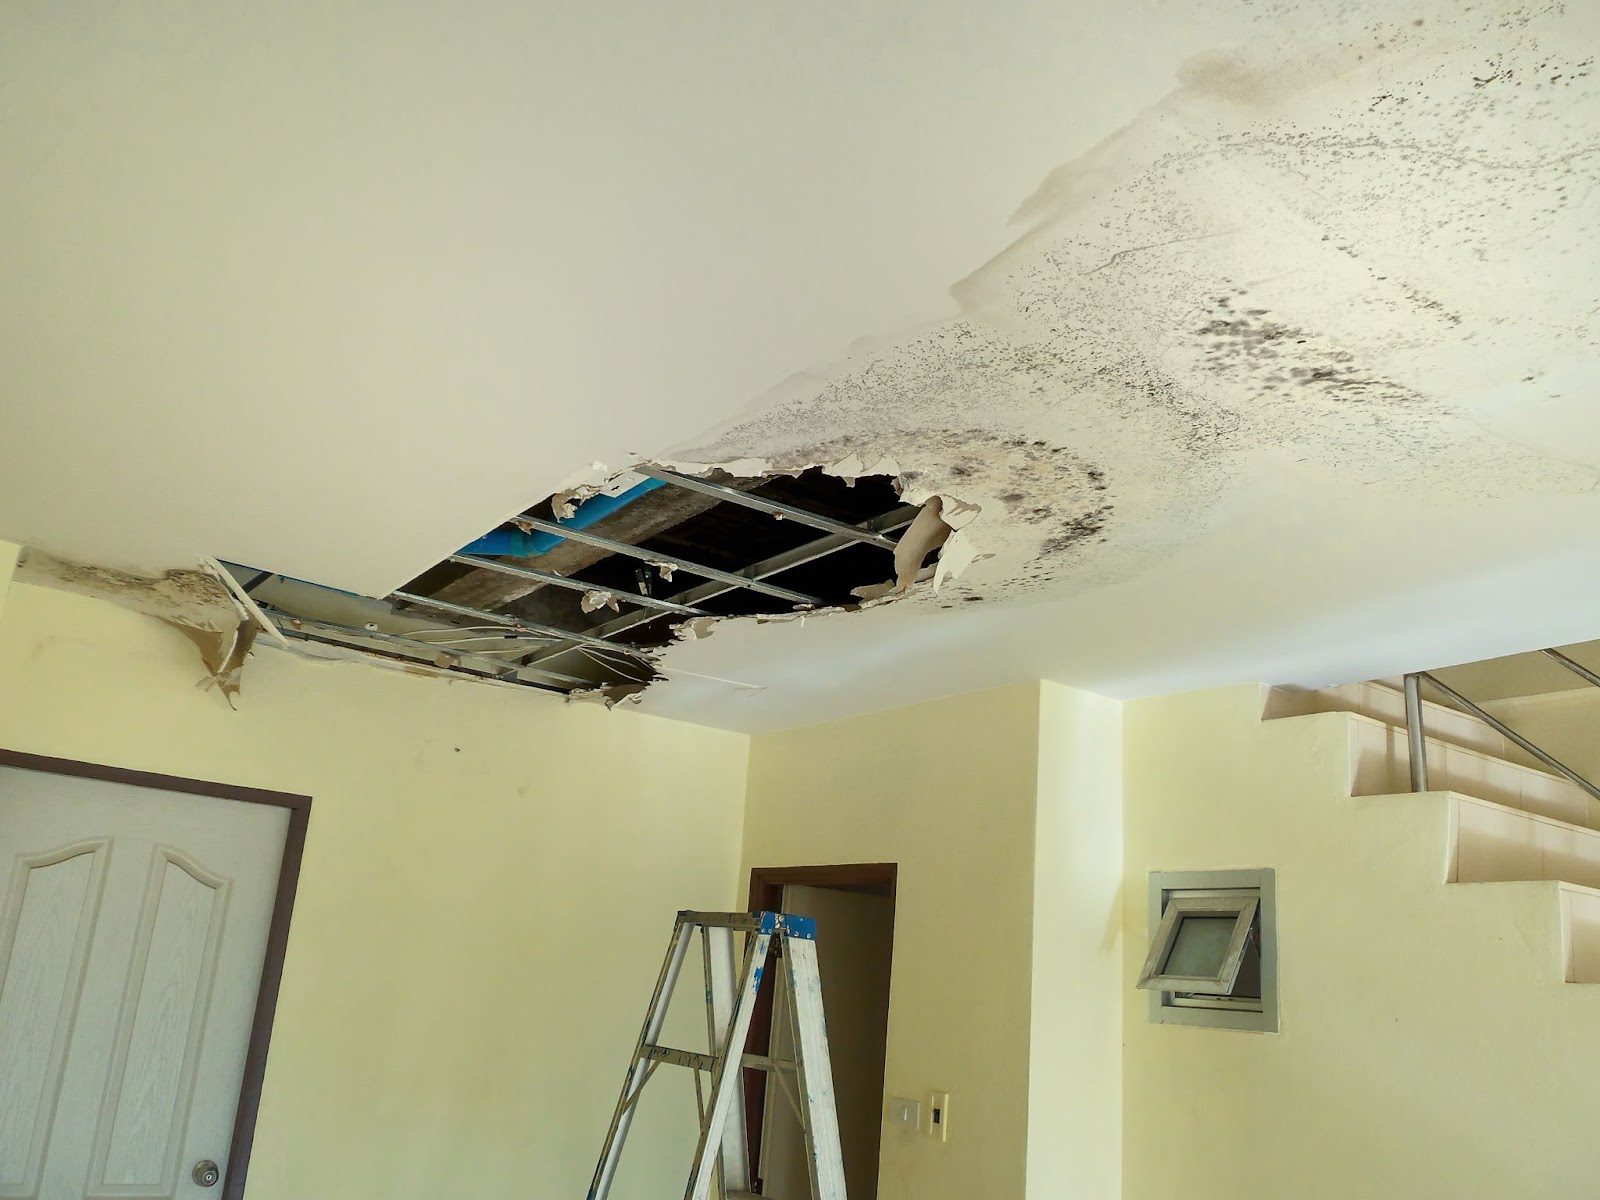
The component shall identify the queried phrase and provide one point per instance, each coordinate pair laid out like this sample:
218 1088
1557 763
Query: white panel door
133 925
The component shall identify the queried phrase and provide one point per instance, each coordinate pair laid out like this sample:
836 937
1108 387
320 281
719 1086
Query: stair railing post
1415 737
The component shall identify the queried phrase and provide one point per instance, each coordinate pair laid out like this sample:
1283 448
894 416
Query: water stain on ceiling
1365 256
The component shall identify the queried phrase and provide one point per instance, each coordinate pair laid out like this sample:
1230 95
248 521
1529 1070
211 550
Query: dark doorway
854 908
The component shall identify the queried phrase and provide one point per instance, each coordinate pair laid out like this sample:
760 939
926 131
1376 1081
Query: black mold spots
1277 358
1077 530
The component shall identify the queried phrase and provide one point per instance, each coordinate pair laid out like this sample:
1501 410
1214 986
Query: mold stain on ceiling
1369 257
1339 278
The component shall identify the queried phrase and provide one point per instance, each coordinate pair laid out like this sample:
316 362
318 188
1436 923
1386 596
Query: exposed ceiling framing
770 547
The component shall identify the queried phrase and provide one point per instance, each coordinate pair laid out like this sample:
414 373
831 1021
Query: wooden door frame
255 1059
766 894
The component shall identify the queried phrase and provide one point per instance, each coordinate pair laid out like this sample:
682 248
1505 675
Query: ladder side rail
721 967
791 1082
729 1067
639 1070
815 1077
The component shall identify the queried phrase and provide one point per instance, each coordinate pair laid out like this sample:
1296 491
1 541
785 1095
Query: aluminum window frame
1240 907
1188 1007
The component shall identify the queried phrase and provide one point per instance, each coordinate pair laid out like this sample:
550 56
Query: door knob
205 1173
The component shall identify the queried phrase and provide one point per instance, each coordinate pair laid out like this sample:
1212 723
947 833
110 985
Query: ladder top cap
785 924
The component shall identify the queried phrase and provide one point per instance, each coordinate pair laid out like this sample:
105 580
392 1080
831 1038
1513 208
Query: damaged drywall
923 538
1283 256
200 603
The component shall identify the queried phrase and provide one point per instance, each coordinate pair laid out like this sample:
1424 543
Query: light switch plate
939 1115
905 1113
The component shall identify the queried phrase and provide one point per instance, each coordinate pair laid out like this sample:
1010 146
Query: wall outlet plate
939 1115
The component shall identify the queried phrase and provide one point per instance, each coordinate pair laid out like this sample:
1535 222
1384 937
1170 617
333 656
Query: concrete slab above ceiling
1262 338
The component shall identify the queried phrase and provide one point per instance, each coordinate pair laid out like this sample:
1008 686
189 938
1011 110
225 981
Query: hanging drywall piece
224 654
925 534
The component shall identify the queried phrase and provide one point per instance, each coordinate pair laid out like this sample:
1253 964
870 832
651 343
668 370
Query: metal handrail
1418 743
1577 668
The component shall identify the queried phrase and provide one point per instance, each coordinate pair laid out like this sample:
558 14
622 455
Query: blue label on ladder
804 928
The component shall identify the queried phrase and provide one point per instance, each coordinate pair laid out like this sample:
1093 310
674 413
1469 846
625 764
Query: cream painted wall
8 562
1004 989
488 885
1075 1077
945 789
1429 1047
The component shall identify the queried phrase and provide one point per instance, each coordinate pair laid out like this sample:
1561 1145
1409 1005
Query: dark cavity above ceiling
492 623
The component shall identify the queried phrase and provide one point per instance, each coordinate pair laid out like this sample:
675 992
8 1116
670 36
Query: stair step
1580 932
1577 921
1388 705
1496 843
1381 765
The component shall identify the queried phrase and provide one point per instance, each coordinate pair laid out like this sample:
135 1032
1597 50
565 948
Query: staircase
1508 819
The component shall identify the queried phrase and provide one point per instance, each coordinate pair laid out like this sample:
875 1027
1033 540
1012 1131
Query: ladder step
760 1062
681 1058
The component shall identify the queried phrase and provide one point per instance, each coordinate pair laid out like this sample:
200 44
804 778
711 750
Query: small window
1200 943
1212 958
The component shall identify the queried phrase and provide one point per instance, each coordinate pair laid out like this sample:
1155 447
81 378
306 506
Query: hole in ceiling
578 594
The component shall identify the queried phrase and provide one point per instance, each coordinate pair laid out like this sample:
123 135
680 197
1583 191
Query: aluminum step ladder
732 983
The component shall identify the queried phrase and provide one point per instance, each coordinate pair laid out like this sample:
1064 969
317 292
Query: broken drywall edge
956 514
611 694
248 608
197 602
223 653
182 596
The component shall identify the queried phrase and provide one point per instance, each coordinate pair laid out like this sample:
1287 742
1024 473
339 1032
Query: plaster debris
224 654
611 694
696 628
194 602
594 601
924 535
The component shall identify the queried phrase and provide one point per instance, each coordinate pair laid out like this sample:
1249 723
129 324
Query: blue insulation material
517 544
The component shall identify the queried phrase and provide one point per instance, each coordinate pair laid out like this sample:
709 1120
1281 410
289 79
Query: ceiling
1260 337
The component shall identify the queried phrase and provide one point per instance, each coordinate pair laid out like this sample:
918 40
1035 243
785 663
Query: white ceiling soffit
1263 336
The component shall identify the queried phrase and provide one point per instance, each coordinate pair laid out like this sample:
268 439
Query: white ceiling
329 290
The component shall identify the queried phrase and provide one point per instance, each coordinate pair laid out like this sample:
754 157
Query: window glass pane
1198 948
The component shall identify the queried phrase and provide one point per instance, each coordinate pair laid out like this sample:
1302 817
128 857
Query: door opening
854 909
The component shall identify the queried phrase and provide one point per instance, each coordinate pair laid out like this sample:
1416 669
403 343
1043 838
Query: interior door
133 925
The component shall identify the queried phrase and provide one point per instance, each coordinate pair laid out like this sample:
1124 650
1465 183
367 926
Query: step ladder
732 983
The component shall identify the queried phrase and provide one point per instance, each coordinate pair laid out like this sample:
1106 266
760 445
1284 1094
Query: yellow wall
1075 1074
488 885
946 789
1429 1047
959 792
8 562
